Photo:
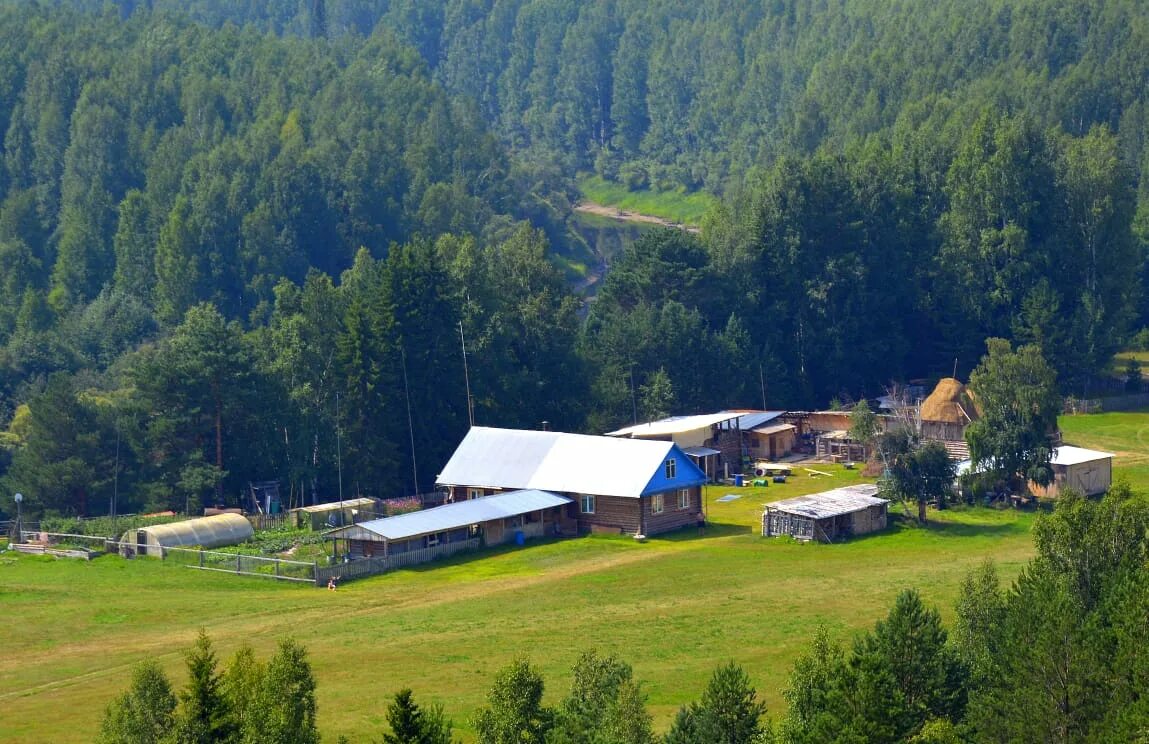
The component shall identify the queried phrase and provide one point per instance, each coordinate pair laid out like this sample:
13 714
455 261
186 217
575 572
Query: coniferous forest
236 238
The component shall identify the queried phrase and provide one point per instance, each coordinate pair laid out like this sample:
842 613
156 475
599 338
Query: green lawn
1125 434
677 206
674 607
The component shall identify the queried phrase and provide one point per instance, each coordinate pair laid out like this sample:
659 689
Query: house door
773 451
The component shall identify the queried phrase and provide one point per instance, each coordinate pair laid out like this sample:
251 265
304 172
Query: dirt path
622 215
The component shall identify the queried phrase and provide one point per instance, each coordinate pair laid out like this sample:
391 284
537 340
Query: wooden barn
619 485
828 516
946 413
1087 471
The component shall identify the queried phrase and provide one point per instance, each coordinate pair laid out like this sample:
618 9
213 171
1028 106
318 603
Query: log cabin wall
610 512
672 517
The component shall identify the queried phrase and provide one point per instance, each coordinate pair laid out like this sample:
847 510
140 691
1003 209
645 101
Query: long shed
494 519
206 532
827 516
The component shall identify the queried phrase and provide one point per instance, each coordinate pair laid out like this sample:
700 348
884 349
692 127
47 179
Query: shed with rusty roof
828 516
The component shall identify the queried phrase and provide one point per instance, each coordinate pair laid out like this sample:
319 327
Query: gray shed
826 516
206 532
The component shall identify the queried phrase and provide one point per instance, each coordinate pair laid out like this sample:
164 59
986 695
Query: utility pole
115 482
633 399
467 377
410 424
339 454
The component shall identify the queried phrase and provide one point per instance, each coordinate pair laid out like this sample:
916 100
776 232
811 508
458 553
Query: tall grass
676 206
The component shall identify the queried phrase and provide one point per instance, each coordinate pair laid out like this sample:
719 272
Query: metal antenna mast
410 423
467 377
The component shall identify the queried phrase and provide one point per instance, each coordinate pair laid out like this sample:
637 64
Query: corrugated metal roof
1067 455
701 451
844 500
454 516
754 419
336 505
568 463
774 429
674 425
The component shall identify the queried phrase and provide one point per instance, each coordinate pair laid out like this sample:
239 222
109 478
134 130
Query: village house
619 485
722 443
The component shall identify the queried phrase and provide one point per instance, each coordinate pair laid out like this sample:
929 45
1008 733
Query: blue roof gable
686 473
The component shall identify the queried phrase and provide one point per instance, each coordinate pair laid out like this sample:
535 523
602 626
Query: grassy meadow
674 607
677 206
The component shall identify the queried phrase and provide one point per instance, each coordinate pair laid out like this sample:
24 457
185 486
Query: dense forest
249 241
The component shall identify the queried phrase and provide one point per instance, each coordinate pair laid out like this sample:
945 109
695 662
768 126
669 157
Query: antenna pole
339 454
762 382
955 368
467 377
633 400
410 424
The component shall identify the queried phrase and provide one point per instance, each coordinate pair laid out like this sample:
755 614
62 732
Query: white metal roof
674 425
701 451
556 461
1064 455
336 505
1067 455
754 419
454 516
844 500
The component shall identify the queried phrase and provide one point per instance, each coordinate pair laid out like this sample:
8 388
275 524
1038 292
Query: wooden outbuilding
514 516
336 513
828 516
1084 470
946 413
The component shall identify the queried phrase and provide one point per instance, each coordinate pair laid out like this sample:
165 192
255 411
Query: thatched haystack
950 402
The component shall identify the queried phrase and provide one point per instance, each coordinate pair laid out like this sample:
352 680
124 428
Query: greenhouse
206 532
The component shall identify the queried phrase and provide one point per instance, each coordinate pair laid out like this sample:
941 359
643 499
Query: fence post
201 557
277 568
238 564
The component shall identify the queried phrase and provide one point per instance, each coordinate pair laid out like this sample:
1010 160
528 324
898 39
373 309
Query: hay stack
950 402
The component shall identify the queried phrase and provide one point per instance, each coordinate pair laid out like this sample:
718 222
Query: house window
474 493
684 498
586 504
755 444
656 503
433 540
671 467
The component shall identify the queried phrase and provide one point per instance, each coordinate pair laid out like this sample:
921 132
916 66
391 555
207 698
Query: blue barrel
738 480
520 538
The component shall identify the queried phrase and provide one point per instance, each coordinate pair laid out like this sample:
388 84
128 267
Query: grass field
677 206
1125 434
673 607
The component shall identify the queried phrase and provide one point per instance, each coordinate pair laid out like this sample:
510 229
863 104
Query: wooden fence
372 566
1111 403
208 560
